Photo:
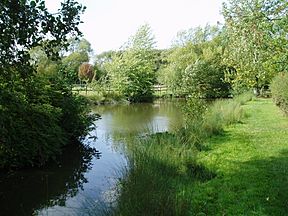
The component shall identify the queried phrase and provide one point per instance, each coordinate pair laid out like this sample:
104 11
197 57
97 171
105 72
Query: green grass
243 171
251 164
99 97
160 168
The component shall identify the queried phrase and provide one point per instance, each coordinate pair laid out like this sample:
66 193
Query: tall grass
163 168
204 120
225 112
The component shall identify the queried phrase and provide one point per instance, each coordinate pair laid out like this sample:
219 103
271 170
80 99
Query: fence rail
86 88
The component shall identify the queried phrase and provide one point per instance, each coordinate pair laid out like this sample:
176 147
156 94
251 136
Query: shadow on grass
258 187
268 188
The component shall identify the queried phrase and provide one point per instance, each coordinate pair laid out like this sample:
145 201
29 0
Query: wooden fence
82 87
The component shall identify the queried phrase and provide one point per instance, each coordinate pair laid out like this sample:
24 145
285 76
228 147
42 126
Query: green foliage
206 80
279 89
132 71
80 50
78 53
34 130
195 64
27 131
194 112
255 34
100 61
204 120
25 24
44 65
39 114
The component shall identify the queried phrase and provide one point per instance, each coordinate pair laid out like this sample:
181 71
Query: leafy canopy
256 32
132 70
37 116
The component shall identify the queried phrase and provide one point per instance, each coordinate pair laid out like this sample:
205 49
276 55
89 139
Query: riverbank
242 171
104 97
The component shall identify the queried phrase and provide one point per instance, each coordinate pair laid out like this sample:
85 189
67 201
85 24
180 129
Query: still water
82 183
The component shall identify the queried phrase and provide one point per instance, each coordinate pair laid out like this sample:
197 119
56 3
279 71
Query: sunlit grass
102 97
225 112
251 164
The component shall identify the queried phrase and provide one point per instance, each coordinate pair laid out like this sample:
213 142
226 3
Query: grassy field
251 165
242 171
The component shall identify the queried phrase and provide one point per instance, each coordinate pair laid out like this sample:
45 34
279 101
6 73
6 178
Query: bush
206 79
37 123
194 113
203 120
279 88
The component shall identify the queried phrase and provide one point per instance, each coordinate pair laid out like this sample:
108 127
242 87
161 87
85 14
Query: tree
80 51
101 60
195 65
256 32
37 116
79 45
86 72
132 70
205 79
196 35
44 65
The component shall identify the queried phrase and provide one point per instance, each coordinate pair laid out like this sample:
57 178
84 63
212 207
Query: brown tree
86 72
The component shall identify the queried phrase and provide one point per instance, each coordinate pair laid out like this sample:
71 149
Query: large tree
256 32
195 65
132 70
37 116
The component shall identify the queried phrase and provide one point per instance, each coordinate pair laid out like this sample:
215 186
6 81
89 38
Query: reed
163 169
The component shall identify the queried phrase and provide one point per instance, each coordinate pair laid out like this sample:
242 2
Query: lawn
251 165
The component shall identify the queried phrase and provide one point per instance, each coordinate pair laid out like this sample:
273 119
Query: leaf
33 4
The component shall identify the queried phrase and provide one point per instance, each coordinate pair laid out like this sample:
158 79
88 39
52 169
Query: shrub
203 120
36 125
206 79
194 112
279 88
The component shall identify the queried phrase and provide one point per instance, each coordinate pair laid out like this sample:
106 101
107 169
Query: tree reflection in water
23 192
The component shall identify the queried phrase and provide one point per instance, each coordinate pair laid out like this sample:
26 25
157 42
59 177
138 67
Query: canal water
83 182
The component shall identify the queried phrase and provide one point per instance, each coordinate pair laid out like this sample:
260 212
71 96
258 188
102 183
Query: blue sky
109 23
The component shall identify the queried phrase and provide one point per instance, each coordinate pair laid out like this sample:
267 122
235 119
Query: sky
109 23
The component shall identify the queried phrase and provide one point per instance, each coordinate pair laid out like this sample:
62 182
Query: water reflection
24 191
162 115
80 180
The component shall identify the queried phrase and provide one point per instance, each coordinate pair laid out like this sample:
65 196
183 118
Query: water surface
81 182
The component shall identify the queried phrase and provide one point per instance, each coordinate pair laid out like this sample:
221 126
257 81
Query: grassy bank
251 164
241 171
